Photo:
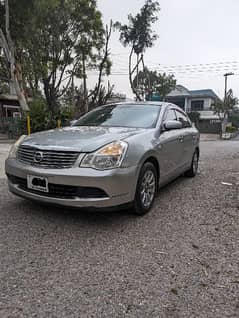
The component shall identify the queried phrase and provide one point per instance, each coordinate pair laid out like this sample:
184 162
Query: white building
196 100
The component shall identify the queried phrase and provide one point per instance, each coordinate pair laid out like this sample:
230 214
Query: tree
144 82
77 93
138 34
56 41
165 84
151 82
223 108
102 63
14 71
104 67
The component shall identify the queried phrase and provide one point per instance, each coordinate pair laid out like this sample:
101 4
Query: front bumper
118 184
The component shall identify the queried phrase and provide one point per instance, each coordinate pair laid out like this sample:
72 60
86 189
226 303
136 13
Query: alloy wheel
148 188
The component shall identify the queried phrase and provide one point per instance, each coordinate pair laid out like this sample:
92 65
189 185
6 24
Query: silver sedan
114 155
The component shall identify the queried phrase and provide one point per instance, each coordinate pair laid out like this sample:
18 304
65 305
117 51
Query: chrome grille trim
56 159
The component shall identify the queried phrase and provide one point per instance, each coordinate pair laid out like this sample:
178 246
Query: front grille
46 158
61 191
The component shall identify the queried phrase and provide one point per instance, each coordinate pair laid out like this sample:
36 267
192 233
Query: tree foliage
234 119
151 82
225 107
75 96
138 32
55 41
165 84
7 49
139 36
4 88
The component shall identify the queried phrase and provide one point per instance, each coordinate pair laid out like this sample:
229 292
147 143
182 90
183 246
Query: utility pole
224 123
226 75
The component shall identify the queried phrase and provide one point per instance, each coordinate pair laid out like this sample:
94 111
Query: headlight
13 151
108 157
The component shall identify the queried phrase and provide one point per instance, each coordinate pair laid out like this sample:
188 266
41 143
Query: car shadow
93 215
83 215
172 184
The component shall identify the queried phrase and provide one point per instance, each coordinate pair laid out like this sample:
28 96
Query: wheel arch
155 162
152 159
198 151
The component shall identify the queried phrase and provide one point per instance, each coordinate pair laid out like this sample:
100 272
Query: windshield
130 115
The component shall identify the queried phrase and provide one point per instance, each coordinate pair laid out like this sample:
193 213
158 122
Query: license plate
37 183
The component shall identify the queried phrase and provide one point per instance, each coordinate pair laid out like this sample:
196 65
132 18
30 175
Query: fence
209 126
15 127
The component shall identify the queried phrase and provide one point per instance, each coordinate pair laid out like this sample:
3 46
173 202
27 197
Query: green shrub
39 115
234 119
231 129
65 115
40 119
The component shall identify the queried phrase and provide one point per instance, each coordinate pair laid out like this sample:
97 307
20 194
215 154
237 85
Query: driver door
171 149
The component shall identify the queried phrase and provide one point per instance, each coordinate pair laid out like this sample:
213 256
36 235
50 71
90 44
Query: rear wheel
146 189
194 166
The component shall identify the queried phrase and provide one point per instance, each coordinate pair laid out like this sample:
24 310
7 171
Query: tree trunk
73 92
85 85
130 76
137 75
102 64
10 53
149 93
48 94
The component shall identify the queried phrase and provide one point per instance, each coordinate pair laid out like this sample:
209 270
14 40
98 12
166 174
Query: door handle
180 138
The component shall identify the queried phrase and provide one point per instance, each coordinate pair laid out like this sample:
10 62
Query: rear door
171 149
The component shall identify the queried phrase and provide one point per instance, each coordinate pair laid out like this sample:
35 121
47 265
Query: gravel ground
4 150
181 260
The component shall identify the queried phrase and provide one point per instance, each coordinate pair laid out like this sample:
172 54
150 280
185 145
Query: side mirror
173 124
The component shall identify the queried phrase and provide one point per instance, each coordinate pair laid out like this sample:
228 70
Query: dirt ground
180 260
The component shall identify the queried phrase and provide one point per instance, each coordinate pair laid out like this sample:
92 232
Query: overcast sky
191 32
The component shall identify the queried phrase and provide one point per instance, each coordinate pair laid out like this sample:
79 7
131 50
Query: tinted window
184 119
130 115
170 115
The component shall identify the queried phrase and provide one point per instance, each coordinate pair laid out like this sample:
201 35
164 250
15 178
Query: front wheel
146 189
194 166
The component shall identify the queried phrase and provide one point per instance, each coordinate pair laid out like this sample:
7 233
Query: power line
227 64
191 71
192 67
200 70
191 76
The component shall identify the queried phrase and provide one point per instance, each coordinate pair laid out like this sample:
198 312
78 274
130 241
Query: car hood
82 139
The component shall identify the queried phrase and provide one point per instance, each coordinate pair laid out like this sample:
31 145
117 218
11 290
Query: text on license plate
37 183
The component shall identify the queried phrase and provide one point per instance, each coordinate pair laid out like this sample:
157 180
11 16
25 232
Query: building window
197 105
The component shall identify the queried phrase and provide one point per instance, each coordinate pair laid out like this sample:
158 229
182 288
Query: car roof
164 105
140 103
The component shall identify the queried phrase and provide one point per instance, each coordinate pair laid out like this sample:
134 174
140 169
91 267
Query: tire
192 172
146 189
